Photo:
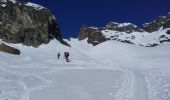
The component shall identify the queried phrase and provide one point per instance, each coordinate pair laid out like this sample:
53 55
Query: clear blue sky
71 14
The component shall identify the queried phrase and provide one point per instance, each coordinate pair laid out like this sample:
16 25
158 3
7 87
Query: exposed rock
94 35
168 32
27 23
151 35
164 38
161 21
8 49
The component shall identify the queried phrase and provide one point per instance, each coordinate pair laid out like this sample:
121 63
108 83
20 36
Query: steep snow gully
109 71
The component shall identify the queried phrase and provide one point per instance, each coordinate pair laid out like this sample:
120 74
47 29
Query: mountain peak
152 34
160 21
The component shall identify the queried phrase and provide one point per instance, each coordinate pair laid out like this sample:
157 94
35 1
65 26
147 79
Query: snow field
109 71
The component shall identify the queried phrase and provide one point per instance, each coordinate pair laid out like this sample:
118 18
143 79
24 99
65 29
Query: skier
58 55
66 55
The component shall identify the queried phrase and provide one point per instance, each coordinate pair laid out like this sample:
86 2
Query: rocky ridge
151 34
8 49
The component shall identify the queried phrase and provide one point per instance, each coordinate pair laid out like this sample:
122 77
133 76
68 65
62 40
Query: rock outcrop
123 27
150 35
94 35
161 21
27 23
7 49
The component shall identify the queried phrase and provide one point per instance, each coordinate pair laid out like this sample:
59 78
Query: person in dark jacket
58 55
66 55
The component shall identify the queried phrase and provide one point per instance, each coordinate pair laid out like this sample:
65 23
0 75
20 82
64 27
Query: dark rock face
20 23
8 49
164 38
168 32
161 21
94 36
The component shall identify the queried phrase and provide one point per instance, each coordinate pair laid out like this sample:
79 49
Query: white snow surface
13 1
92 27
108 71
1 41
3 5
125 24
36 6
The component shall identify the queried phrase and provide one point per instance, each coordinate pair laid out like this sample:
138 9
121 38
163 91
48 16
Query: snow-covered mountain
111 70
152 34
139 38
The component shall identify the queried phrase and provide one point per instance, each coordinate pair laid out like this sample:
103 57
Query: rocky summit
93 34
161 21
150 35
27 23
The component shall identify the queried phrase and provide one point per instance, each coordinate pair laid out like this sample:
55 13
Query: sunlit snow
109 71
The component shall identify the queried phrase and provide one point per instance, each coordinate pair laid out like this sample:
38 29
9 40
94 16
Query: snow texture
92 27
108 71
36 6
125 24
138 38
3 5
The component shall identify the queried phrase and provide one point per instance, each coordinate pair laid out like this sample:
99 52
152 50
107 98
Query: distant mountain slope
151 34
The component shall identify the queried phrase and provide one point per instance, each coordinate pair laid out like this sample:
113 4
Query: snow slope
139 38
109 71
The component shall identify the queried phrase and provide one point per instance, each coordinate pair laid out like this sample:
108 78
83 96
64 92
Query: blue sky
71 14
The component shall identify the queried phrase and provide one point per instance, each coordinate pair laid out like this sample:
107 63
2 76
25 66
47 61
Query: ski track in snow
140 86
39 76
